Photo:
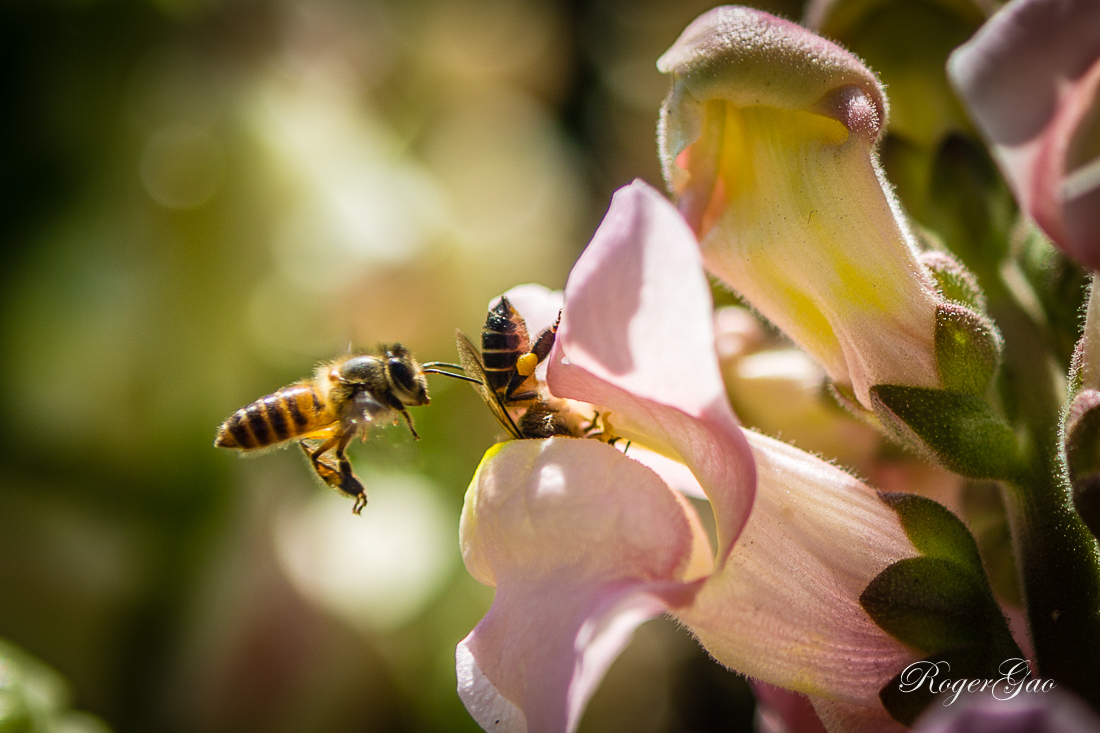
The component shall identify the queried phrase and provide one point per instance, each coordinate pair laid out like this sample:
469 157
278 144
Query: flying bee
344 398
503 373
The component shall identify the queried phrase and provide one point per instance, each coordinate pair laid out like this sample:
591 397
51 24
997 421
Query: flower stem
1057 556
1059 564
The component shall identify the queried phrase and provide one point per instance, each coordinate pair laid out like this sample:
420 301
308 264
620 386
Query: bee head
406 376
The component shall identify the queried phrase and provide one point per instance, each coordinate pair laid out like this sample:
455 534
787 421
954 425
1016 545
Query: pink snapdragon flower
768 139
1030 78
584 543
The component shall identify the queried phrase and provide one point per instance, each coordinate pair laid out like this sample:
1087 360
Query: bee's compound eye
402 374
359 369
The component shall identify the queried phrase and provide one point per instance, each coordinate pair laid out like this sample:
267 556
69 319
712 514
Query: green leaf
959 429
934 530
939 603
929 604
968 349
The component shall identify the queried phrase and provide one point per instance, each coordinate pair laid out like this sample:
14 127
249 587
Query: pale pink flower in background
1054 711
1030 78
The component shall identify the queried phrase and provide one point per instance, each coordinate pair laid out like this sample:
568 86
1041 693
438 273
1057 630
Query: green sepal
934 530
987 520
959 429
929 603
953 280
939 603
968 349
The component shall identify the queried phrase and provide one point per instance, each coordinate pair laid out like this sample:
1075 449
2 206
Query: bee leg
321 467
545 341
348 482
526 363
522 397
314 454
340 476
409 421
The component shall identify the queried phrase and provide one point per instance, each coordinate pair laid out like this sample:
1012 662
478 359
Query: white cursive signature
1014 677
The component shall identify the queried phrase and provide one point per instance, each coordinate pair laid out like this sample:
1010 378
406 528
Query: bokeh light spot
378 570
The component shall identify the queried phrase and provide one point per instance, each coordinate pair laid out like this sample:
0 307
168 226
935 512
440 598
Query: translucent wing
368 409
470 358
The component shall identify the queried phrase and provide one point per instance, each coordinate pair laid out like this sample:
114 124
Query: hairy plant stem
1059 566
1057 556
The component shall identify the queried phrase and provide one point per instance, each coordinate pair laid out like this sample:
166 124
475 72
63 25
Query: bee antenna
459 367
463 377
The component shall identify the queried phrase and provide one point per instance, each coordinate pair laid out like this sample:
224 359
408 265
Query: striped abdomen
503 341
292 411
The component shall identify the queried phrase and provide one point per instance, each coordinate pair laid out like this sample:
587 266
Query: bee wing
470 358
368 409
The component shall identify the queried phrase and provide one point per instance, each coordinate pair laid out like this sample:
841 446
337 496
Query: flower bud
768 141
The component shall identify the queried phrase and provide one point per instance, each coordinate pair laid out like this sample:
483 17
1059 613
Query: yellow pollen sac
526 364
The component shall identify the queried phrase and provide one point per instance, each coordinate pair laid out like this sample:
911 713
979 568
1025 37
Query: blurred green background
200 200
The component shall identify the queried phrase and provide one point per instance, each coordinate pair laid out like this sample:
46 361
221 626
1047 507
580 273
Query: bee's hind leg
339 476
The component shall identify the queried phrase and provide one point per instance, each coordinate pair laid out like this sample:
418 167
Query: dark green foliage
938 603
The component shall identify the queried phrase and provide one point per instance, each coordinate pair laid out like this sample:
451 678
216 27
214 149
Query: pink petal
524 669
1027 712
1030 78
538 304
672 472
753 59
583 545
785 607
637 337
